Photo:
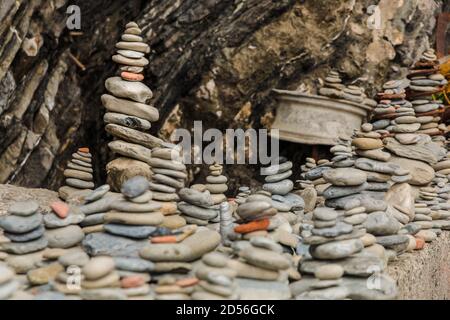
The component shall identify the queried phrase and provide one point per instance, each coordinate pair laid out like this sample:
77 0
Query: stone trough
312 119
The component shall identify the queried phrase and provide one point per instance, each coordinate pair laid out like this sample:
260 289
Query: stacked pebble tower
393 113
255 215
100 278
128 116
134 216
78 174
169 176
23 226
197 205
333 86
276 178
242 195
95 206
215 283
217 183
426 81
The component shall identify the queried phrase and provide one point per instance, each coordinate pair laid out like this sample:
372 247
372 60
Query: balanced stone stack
309 164
169 176
8 282
100 280
242 195
262 270
255 215
426 81
217 183
217 280
342 153
179 256
277 178
135 215
95 207
63 231
393 113
338 246
333 86
128 116
23 227
78 174
68 281
197 206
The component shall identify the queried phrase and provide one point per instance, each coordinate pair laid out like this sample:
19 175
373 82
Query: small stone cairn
78 175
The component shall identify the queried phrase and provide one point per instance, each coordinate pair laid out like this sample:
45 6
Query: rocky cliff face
214 61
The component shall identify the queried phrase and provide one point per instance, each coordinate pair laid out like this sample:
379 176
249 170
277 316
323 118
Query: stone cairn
63 231
128 116
78 174
217 280
426 81
100 279
134 216
169 176
217 184
176 258
197 205
335 89
23 227
243 193
95 206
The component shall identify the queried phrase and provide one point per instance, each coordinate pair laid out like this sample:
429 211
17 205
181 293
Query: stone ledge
424 274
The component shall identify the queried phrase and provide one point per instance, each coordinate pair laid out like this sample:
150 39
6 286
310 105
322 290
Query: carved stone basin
313 119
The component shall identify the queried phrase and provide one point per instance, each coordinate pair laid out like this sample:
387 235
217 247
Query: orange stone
84 150
420 243
132 76
132 281
60 208
164 239
188 282
252 226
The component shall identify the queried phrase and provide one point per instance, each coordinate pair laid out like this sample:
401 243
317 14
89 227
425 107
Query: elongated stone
136 91
75 166
25 247
337 192
131 108
190 249
165 164
141 62
140 219
20 224
136 46
126 206
192 196
24 208
168 181
134 232
197 212
24 237
127 121
134 136
131 150
70 173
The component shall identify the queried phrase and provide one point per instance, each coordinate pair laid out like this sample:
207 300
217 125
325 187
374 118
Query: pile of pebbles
169 176
197 206
217 183
23 227
128 116
78 175
426 81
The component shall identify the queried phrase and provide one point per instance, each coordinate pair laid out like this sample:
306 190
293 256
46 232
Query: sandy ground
10 194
